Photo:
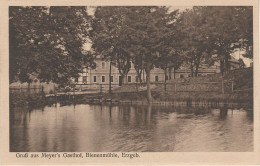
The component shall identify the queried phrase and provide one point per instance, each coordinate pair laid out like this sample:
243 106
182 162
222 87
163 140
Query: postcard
129 82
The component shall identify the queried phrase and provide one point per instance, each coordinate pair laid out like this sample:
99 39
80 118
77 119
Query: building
93 78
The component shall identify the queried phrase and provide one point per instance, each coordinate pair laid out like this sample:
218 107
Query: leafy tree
167 57
47 42
177 60
109 37
138 65
211 30
130 33
244 24
226 31
148 31
194 43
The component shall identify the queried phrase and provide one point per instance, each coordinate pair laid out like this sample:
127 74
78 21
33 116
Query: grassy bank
187 91
29 99
203 89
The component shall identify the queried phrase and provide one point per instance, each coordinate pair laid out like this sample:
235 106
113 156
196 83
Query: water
96 128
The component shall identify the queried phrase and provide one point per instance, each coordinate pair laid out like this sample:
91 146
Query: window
136 79
181 75
112 78
129 79
156 78
103 79
95 79
103 65
84 79
76 79
166 77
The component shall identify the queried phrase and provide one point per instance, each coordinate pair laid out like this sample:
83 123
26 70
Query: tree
138 65
176 62
148 31
214 33
109 37
244 24
227 31
47 42
241 63
194 40
167 51
130 33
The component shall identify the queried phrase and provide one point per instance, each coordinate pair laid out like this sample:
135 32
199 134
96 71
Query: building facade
93 78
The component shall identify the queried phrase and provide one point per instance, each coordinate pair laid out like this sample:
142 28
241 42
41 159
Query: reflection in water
98 128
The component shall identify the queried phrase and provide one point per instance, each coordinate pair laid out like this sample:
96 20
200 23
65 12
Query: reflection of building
100 75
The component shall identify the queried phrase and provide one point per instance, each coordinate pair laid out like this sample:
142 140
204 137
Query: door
120 80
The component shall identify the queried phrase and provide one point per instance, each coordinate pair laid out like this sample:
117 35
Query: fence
223 87
32 88
197 87
93 86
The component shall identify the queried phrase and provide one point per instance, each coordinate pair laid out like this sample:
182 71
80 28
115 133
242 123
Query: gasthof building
93 78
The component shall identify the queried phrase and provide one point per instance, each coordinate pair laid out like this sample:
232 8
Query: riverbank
205 90
238 90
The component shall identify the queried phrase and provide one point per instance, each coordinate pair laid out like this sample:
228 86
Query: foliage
194 39
47 42
110 38
244 25
131 33
148 33
226 31
213 33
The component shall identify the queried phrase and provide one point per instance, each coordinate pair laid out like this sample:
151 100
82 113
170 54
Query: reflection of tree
200 110
110 110
250 115
18 128
101 108
149 110
223 112
126 115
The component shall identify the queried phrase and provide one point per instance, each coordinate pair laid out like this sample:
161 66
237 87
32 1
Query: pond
142 128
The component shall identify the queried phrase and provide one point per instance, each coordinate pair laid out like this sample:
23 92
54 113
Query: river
106 128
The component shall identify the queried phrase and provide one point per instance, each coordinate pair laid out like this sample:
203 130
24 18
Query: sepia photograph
129 83
131 78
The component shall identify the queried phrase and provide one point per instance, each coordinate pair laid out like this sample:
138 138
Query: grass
195 88
24 99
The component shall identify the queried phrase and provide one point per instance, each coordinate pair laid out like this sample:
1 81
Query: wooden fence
223 87
32 88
